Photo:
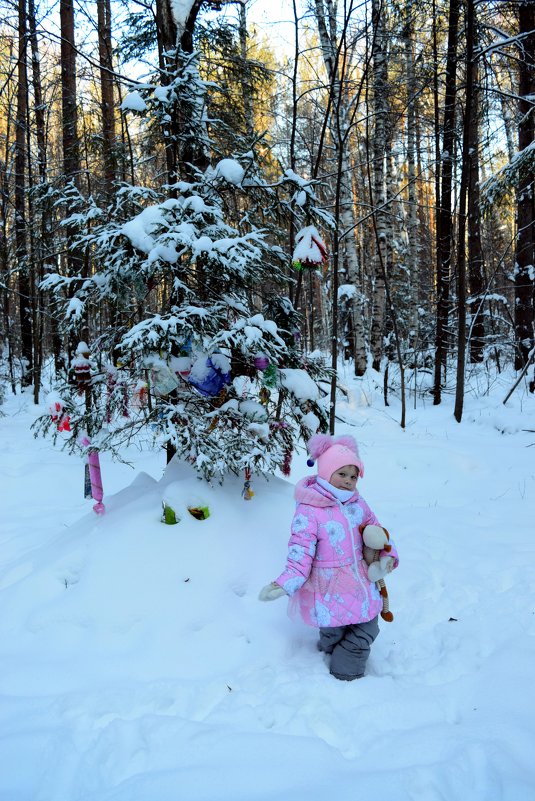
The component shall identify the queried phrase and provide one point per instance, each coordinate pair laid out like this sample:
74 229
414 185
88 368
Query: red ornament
56 413
287 462
65 423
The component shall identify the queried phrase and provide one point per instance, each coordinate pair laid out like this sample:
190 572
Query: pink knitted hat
332 453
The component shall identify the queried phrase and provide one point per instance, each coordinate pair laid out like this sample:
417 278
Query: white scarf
340 494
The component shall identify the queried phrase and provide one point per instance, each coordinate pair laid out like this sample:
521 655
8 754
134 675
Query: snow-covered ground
136 663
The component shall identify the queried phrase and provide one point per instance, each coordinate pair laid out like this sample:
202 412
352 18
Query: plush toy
82 368
310 250
376 539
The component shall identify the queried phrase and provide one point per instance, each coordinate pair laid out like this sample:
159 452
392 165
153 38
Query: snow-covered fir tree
194 343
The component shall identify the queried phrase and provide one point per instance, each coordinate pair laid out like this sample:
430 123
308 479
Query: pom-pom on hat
332 453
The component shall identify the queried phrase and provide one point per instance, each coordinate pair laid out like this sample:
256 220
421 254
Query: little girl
326 576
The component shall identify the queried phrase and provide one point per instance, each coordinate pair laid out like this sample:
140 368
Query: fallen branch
521 376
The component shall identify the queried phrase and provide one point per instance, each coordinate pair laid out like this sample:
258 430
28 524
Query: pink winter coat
326 576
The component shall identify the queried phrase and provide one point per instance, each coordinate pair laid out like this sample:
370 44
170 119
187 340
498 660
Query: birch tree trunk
475 249
379 110
43 243
412 211
325 12
507 115
21 247
347 225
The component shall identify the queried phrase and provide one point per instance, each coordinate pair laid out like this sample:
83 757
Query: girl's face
345 478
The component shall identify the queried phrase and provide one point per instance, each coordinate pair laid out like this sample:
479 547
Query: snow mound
138 664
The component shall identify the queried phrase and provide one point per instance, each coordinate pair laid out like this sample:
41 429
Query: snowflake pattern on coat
326 576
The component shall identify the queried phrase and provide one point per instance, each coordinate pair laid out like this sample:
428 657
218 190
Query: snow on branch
495 188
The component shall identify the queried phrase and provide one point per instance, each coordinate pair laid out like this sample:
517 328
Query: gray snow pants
349 647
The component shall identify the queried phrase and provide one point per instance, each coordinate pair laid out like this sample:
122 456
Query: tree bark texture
380 110
44 246
21 244
445 225
106 96
339 120
470 120
476 271
412 211
71 149
245 77
524 283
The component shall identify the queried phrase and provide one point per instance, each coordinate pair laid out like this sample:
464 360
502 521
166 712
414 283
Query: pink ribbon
96 479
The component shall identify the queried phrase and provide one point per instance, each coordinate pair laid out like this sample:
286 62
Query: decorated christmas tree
199 349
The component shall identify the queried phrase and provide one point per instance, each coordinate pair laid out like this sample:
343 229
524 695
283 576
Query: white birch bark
412 211
327 27
379 110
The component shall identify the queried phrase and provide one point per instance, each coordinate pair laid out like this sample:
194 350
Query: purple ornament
261 362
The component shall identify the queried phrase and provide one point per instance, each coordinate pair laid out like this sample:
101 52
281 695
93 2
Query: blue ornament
212 381
310 462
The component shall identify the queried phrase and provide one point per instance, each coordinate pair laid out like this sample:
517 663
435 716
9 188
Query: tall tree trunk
41 242
7 333
445 226
339 123
437 152
106 95
247 93
507 115
524 283
335 283
167 45
71 150
380 110
412 211
470 121
294 296
347 226
21 252
476 270
184 142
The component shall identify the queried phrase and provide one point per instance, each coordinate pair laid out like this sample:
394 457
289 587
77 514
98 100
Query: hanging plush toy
62 420
376 539
247 492
82 368
310 250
